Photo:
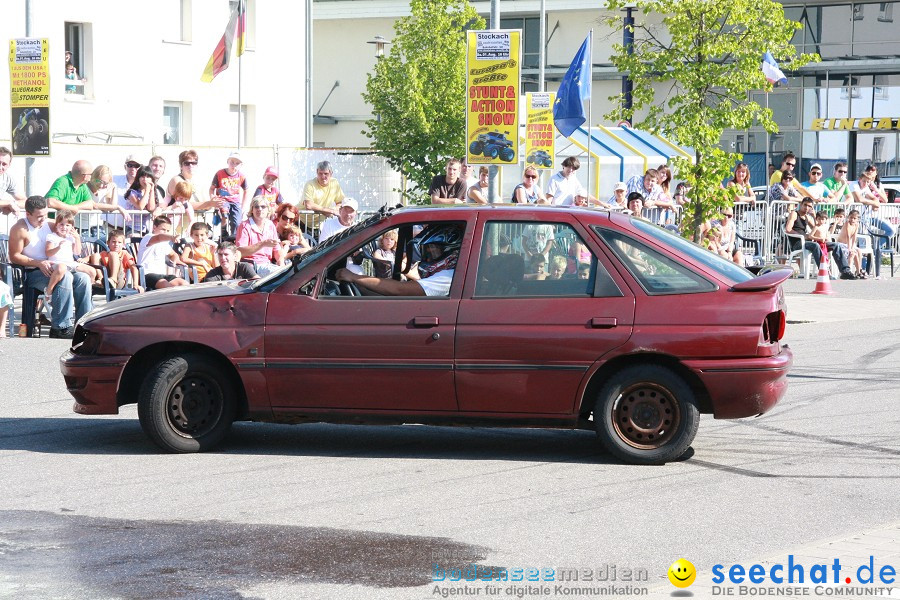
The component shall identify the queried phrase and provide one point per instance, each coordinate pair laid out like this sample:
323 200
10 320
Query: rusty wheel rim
195 406
646 416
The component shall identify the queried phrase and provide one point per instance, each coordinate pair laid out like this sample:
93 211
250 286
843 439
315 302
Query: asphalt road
88 508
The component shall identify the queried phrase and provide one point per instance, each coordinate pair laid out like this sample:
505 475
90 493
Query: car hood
167 296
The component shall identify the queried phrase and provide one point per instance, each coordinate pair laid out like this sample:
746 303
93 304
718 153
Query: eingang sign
856 124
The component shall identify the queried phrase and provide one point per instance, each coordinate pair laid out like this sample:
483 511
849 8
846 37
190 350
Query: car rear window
724 267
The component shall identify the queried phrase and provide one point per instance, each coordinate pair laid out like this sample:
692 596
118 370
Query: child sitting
292 243
118 262
847 238
558 265
61 247
180 204
536 267
155 248
200 253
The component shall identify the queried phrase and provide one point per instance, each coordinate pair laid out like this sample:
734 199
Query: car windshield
683 247
323 247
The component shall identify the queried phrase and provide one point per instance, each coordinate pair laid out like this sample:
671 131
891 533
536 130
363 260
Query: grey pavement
851 300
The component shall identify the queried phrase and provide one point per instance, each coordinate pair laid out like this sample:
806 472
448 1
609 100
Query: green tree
703 57
418 91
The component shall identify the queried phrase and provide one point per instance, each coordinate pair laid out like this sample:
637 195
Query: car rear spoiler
764 282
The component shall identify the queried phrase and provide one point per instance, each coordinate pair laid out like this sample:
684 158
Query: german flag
221 56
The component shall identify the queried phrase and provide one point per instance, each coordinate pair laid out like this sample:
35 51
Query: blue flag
568 111
771 70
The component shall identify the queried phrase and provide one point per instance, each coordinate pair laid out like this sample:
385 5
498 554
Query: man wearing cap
322 194
345 218
268 190
816 188
231 185
617 200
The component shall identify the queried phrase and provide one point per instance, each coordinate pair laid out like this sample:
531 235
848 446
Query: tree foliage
705 56
418 91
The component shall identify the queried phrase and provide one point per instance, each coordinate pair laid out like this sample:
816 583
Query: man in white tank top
27 239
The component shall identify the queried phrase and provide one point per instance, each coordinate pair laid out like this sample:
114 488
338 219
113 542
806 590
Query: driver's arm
385 287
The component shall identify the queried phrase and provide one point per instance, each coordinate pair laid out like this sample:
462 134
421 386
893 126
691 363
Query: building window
173 123
244 124
531 38
79 43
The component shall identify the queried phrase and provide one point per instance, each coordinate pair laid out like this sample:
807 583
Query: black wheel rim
646 416
195 406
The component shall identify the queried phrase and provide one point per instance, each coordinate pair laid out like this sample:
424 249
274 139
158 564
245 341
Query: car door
370 353
525 344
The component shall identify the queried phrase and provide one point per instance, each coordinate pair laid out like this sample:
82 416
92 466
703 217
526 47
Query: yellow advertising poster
29 96
492 96
540 135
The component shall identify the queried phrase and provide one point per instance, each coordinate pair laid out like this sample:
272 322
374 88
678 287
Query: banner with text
540 135
29 96
492 96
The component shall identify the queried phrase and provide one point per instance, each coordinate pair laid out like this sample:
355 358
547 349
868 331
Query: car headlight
85 342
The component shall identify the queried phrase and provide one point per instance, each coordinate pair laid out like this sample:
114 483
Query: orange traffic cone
823 283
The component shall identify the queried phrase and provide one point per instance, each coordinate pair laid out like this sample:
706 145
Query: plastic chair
878 235
111 292
14 276
805 256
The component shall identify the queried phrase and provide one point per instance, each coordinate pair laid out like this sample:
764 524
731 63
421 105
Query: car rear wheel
646 414
476 147
186 404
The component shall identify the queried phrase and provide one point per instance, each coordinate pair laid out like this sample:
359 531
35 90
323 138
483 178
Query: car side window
539 259
656 273
426 254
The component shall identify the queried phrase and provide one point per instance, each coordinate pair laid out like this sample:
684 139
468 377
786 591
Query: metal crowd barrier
765 221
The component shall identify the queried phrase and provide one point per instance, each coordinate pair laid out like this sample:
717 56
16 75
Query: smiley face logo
682 573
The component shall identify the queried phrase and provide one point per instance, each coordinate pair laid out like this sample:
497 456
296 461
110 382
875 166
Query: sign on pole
540 135
492 103
29 96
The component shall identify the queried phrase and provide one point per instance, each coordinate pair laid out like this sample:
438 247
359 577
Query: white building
143 61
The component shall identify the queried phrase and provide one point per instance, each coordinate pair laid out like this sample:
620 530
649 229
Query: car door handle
426 322
603 322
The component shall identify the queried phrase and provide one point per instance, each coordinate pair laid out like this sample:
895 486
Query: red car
507 316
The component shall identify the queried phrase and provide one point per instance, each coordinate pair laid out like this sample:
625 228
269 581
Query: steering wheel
331 288
348 288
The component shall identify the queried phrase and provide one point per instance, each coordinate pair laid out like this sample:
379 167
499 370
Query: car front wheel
646 414
186 404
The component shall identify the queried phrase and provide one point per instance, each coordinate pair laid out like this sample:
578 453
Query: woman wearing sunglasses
529 192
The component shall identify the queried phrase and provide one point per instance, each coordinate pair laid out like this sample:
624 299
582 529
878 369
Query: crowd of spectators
155 236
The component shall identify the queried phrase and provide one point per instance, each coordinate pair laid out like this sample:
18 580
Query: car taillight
773 326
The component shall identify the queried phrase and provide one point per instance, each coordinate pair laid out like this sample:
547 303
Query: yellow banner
29 96
855 124
492 96
540 135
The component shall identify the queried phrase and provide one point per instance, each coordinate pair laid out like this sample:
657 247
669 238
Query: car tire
492 152
186 404
646 414
507 154
43 126
548 163
476 148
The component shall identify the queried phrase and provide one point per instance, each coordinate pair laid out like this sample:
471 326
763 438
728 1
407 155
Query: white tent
617 153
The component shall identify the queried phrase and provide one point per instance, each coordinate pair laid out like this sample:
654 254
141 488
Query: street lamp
380 43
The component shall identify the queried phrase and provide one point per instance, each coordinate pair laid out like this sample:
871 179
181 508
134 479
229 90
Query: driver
438 246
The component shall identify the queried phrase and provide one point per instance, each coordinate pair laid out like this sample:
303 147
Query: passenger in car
438 246
537 268
558 266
